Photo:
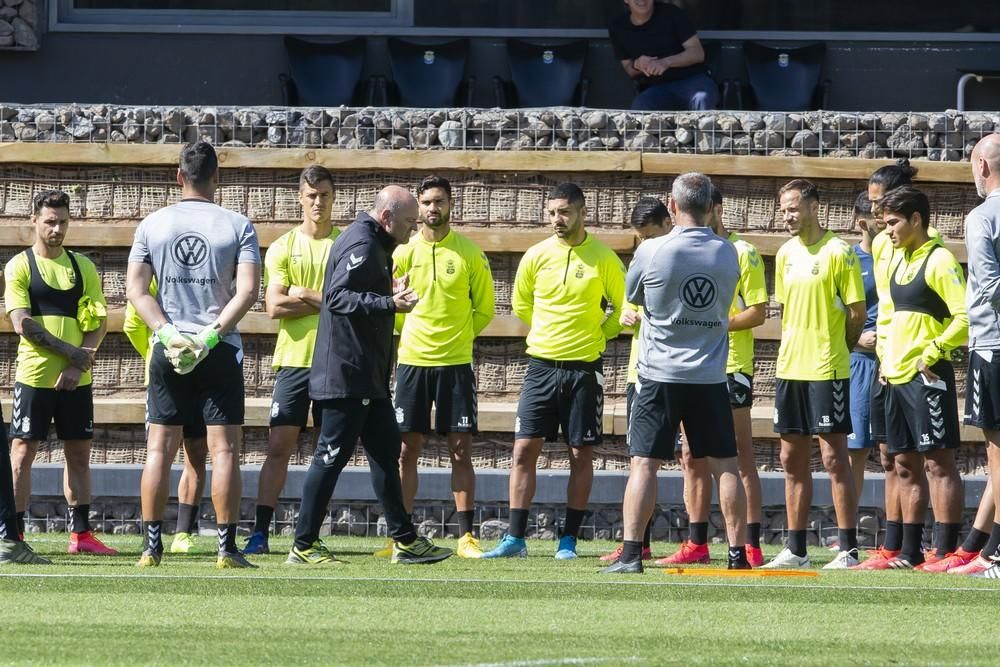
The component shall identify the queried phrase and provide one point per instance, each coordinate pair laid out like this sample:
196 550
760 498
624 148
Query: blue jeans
695 93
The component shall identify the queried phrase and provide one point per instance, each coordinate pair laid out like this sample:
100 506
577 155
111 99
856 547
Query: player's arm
630 314
634 289
753 290
851 288
613 276
136 331
983 255
92 285
946 278
752 316
247 281
481 292
281 301
693 54
522 300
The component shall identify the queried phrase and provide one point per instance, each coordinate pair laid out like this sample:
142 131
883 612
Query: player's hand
405 301
69 379
867 340
401 283
296 292
629 318
881 379
924 370
81 358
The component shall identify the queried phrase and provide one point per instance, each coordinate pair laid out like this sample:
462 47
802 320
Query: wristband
209 336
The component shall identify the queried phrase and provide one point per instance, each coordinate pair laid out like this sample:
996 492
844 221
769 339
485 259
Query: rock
805 141
25 132
684 136
118 137
787 123
568 123
729 124
45 121
6 28
126 529
451 134
174 121
12 3
81 129
892 121
903 141
918 122
854 140
844 122
399 142
953 140
29 13
707 123
751 122
153 128
6 15
614 141
592 144
422 137
767 139
644 141
493 529
868 523
709 142
940 122
436 118
657 123
742 144
979 124
6 131
596 120
7 113
132 130
24 34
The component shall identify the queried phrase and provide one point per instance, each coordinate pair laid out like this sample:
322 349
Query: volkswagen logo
698 292
190 250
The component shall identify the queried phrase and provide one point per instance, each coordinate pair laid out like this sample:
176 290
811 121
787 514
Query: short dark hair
49 199
198 163
648 211
806 189
692 194
434 181
892 176
716 195
862 206
907 200
571 192
315 174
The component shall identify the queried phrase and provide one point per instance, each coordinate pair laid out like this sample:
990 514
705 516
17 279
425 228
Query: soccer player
929 322
749 310
818 283
192 481
350 377
206 262
982 400
562 290
293 274
13 548
649 220
55 304
452 276
685 282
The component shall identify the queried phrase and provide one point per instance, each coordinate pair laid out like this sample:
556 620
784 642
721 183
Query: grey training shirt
194 247
685 282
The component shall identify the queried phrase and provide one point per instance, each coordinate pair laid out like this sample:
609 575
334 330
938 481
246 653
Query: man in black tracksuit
350 377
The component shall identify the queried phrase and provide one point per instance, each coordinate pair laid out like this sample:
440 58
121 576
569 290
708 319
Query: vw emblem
190 250
698 292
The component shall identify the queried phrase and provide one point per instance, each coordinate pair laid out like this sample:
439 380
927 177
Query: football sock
20 523
753 534
647 536
797 542
262 519
186 517
893 536
79 518
518 523
227 538
992 548
464 521
913 534
975 540
848 538
631 551
947 538
574 519
699 532
154 536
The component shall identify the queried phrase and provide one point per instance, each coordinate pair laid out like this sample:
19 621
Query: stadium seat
786 79
544 75
325 73
427 73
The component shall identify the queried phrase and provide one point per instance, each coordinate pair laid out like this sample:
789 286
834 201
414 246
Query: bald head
986 164
396 210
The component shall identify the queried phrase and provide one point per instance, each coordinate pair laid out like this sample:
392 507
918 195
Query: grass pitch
516 613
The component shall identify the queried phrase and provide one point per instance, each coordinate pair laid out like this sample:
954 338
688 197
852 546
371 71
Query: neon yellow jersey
562 291
882 258
913 333
751 290
295 259
36 366
632 371
814 284
137 332
453 281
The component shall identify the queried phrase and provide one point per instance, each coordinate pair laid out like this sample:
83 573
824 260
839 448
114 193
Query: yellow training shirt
300 261
454 284
913 335
814 284
137 332
882 258
751 290
561 292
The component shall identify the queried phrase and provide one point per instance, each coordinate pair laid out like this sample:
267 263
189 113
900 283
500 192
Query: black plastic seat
428 73
544 74
786 79
325 73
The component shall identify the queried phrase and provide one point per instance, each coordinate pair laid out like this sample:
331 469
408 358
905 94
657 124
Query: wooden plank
797 167
768 243
90 154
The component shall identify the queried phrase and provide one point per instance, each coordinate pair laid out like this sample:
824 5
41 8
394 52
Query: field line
547 662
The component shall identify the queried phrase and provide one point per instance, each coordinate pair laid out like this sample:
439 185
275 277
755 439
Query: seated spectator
659 48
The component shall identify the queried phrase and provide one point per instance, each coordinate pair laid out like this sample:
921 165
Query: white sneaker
842 561
786 560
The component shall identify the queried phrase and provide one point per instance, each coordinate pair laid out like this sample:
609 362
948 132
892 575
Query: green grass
89 610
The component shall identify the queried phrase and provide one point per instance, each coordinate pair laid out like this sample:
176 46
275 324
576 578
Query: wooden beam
797 167
768 243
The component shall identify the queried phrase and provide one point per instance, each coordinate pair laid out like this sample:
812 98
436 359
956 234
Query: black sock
79 518
631 551
185 518
992 548
647 535
574 519
737 555
518 523
893 536
698 533
797 542
975 540
262 519
753 534
913 534
464 521
20 523
227 538
848 538
154 536
947 538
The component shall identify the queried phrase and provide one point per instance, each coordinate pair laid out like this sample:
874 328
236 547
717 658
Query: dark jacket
353 353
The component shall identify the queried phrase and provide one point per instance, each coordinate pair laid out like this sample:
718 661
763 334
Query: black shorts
877 414
809 407
562 394
661 407
740 386
36 408
982 391
450 389
290 400
921 417
214 389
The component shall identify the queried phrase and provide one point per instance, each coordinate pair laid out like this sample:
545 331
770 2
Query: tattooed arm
36 334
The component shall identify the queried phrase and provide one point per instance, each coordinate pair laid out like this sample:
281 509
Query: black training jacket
353 351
